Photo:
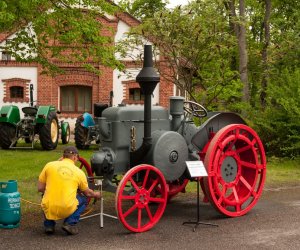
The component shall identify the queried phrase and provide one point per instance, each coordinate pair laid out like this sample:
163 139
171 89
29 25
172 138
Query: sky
174 3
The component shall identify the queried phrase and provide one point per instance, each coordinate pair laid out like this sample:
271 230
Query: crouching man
60 181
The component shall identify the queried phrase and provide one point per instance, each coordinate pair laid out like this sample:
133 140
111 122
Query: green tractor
40 121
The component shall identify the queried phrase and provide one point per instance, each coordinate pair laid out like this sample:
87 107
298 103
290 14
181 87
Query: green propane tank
9 204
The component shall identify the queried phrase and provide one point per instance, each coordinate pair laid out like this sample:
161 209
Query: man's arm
41 187
90 193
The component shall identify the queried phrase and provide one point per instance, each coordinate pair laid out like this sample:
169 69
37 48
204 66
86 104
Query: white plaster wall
118 87
28 51
136 51
29 73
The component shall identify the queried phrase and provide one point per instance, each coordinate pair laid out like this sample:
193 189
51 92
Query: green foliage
142 9
64 30
279 124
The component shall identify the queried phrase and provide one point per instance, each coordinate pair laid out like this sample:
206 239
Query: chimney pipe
147 79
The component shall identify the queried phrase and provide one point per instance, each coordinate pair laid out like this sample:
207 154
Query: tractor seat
30 111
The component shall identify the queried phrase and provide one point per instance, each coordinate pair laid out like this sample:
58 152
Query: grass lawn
24 165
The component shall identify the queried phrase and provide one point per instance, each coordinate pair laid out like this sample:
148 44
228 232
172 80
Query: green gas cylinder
9 204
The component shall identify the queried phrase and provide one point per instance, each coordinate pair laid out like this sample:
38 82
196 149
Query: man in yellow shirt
60 181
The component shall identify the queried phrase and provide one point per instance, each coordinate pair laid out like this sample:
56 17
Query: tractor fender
88 120
211 126
43 112
10 114
64 128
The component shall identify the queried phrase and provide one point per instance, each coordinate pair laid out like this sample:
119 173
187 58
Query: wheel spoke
243 149
127 197
139 218
153 185
136 187
247 185
149 213
238 208
130 210
236 197
146 178
249 165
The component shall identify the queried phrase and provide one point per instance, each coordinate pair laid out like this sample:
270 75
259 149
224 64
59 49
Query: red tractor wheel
138 207
236 166
85 166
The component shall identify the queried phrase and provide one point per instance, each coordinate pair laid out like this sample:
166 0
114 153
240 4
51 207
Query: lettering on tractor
144 151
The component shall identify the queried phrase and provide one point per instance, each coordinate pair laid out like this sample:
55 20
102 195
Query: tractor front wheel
138 207
49 132
7 134
65 137
236 165
81 134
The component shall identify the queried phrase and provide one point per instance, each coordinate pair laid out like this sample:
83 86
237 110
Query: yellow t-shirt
62 179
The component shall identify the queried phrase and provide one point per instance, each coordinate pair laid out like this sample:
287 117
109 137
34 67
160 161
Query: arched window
16 92
76 99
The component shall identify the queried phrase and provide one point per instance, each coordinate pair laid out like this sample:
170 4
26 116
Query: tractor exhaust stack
147 79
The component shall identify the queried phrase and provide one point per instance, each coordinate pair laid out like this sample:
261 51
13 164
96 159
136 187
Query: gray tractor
144 154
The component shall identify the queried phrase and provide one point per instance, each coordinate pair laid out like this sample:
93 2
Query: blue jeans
73 218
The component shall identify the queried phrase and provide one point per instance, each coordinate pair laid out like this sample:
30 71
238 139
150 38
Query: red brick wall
16 82
129 85
166 87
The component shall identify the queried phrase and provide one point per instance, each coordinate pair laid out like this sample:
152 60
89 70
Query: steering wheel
195 109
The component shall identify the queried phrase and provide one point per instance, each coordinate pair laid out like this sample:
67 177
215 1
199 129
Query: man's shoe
70 229
49 230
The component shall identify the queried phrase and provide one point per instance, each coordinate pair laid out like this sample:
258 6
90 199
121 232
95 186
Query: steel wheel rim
54 130
141 209
236 166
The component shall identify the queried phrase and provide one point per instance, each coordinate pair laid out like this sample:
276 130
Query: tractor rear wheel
65 138
49 132
81 134
138 208
7 134
236 165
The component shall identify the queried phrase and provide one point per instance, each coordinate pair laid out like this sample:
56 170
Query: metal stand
99 184
198 222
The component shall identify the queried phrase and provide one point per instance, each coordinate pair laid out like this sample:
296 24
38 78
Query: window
76 99
16 92
6 56
136 94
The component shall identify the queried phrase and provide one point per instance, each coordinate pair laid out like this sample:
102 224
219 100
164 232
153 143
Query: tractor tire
66 138
49 132
81 135
7 135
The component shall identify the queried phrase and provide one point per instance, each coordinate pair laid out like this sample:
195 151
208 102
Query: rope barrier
30 202
33 203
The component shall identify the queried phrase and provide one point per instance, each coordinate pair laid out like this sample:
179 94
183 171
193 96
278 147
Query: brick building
76 90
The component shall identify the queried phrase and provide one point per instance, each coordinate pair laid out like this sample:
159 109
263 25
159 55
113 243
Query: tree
143 9
50 30
195 44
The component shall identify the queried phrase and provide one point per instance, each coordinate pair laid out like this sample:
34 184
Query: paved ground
273 224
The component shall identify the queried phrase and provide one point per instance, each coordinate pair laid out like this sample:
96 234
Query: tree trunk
265 76
243 55
239 29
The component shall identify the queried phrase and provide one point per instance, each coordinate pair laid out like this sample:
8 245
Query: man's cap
71 150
